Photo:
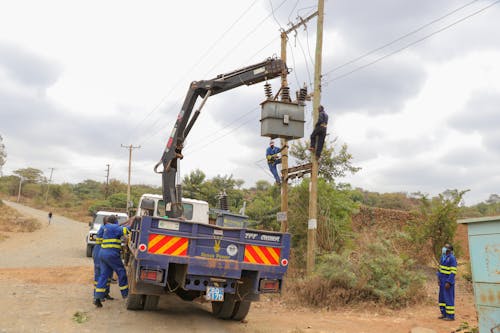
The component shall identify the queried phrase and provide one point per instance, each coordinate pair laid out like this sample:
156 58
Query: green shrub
94 208
374 274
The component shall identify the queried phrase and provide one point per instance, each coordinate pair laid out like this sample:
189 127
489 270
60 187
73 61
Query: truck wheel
135 302
224 310
151 302
89 250
241 309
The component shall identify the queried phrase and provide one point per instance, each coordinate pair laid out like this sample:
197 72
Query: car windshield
99 219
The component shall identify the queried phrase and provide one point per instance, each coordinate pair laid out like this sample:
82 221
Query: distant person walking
50 217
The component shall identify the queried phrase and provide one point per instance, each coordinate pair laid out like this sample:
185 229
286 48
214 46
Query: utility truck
172 251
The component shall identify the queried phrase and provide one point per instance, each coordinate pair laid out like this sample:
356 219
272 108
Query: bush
96 205
374 274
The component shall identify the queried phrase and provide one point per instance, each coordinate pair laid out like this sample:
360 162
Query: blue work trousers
111 261
273 167
449 300
97 269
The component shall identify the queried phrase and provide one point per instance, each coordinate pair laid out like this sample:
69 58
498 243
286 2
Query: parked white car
96 224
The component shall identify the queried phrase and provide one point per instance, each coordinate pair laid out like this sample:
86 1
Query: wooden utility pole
48 185
285 96
312 223
130 147
107 181
19 192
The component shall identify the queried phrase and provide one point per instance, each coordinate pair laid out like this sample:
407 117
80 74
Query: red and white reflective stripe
284 262
142 247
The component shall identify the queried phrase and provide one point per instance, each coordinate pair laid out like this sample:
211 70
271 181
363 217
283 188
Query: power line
306 61
231 50
272 12
412 43
199 147
400 38
200 59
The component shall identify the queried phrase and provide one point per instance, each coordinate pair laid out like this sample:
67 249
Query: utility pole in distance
284 142
107 182
129 147
19 191
48 185
312 223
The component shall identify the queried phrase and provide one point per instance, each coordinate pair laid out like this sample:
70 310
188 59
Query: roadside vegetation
371 247
12 221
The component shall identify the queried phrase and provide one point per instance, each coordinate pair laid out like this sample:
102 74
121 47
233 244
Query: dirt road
45 279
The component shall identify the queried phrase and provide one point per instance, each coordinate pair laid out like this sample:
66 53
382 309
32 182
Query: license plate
215 294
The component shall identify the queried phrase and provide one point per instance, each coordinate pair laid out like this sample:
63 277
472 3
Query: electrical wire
200 59
231 50
272 12
336 78
290 15
197 148
294 66
306 61
412 32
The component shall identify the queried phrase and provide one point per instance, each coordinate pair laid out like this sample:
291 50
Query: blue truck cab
228 266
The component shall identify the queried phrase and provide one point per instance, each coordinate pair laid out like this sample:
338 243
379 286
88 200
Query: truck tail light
269 286
151 275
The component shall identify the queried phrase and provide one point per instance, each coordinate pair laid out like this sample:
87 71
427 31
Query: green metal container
484 248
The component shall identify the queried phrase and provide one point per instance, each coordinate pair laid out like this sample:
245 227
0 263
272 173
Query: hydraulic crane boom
266 70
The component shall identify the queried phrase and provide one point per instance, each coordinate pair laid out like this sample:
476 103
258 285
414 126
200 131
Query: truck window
188 210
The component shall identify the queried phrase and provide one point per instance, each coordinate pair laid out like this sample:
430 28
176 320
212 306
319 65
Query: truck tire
89 250
241 309
135 302
151 302
224 310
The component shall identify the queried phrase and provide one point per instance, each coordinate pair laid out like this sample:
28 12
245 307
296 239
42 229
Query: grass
80 317
12 221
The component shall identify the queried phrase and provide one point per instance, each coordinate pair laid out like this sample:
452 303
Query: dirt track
45 279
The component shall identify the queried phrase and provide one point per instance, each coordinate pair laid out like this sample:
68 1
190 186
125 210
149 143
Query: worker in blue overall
97 260
446 274
111 259
273 159
319 133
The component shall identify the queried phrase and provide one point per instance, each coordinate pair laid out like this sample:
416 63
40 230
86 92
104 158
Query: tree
336 162
334 218
118 200
192 184
31 175
3 154
89 189
436 222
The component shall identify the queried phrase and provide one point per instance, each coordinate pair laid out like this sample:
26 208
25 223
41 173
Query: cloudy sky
80 78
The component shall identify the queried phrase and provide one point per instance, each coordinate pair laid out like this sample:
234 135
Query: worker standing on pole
319 133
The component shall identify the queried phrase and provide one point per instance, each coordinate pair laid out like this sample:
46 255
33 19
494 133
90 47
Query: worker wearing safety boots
446 274
111 259
97 261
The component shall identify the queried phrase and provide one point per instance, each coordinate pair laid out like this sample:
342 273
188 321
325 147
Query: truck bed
204 253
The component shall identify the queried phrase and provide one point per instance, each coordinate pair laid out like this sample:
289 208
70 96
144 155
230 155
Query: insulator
223 201
268 90
285 94
302 95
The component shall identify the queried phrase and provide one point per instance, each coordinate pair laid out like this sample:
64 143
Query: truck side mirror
90 223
